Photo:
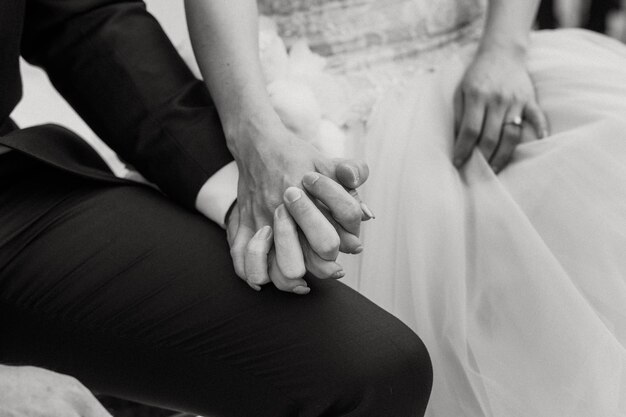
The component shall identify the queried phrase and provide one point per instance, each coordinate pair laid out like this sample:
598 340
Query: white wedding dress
515 282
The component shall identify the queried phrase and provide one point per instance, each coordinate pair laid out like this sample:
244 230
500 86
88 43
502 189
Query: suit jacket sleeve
116 67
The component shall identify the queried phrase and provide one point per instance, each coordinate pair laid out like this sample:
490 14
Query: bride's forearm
508 26
224 34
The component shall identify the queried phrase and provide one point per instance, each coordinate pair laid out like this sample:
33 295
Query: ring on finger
516 121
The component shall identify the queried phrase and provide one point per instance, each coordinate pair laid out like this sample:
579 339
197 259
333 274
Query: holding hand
495 101
27 391
309 228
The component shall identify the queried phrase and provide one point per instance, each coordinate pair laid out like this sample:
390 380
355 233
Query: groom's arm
111 60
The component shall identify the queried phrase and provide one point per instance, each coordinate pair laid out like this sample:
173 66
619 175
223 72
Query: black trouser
136 297
598 13
546 16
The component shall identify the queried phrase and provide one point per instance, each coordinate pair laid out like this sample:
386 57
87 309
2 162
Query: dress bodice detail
360 34
374 45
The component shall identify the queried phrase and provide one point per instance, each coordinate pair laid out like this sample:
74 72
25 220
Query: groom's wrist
218 194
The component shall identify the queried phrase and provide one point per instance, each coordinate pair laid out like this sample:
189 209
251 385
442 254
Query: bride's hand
495 101
271 159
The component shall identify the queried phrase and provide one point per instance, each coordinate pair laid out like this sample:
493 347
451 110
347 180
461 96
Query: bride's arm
497 88
224 34
508 25
270 158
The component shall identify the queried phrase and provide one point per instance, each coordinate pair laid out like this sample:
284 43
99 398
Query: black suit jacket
113 63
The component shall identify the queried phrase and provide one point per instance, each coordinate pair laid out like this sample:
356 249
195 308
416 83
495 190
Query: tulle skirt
515 282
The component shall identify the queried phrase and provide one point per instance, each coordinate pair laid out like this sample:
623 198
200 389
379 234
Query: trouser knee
395 381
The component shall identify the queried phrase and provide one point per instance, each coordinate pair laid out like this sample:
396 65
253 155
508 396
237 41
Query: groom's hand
329 219
342 207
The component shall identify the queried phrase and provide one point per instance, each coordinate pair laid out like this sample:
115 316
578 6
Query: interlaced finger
239 245
295 285
318 267
344 208
319 232
289 255
257 250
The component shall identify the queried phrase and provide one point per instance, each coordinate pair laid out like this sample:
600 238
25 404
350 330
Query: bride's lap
496 271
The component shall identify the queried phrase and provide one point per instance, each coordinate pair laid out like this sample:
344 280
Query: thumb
351 173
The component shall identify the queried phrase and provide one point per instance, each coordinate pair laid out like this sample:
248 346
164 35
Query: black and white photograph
312 208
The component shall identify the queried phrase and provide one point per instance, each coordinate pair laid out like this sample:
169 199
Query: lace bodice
360 34
369 47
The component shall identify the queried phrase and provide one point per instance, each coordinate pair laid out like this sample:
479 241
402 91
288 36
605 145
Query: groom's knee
388 374
397 380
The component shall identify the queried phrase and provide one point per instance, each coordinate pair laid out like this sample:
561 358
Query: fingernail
338 275
544 134
293 194
358 250
300 290
254 286
264 233
355 175
310 179
457 162
495 169
366 210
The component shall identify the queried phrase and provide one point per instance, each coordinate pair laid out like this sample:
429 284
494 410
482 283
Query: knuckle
295 272
329 248
497 98
502 97
518 98
473 91
269 200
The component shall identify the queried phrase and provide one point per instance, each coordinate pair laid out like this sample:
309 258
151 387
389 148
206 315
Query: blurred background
604 16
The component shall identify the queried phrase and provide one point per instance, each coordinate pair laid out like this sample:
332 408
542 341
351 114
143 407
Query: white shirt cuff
218 193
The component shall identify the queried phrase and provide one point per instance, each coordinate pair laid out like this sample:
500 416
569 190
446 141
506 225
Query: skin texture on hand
270 158
34 392
272 164
495 90
296 223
